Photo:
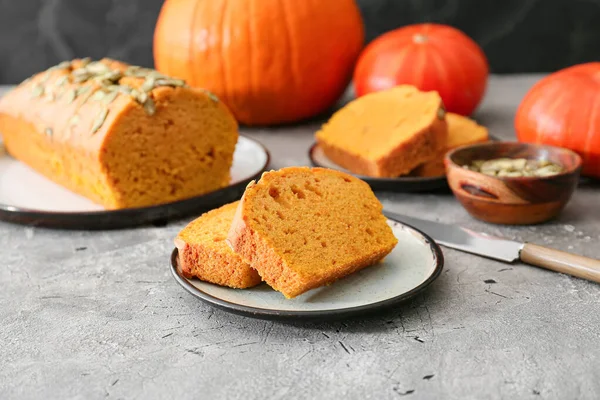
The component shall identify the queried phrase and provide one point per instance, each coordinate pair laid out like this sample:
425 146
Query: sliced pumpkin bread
461 131
387 133
302 228
204 254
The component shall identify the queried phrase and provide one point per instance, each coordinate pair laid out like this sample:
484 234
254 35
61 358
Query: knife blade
502 249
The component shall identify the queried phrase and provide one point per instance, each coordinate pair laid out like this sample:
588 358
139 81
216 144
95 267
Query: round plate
414 264
28 197
399 184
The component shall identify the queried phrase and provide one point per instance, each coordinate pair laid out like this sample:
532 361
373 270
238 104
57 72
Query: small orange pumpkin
563 109
429 56
270 61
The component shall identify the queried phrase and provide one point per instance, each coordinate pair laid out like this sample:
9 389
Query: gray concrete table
93 315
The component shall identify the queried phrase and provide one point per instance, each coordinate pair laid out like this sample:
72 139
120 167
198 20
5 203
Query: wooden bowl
513 201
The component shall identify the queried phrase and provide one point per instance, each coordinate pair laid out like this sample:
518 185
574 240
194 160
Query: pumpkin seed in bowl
515 168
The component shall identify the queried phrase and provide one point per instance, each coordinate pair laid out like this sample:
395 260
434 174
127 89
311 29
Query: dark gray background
516 35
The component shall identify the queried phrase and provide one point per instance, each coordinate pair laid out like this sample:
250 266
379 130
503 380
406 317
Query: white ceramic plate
415 262
28 197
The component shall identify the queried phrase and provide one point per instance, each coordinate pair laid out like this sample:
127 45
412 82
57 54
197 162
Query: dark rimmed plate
408 270
27 197
399 184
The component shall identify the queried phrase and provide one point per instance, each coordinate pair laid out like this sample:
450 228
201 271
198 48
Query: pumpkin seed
170 82
62 80
213 97
86 94
82 89
548 170
149 106
99 119
511 168
125 89
74 120
97 96
141 97
82 77
441 113
48 131
97 68
110 97
71 94
37 91
148 84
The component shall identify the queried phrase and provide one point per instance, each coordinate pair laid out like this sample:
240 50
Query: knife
502 249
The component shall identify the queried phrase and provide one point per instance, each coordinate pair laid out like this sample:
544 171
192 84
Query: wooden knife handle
560 261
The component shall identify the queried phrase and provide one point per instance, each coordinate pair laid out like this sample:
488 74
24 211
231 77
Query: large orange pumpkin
563 109
270 61
429 56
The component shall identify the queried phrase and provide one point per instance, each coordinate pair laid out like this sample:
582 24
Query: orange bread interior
302 228
204 254
386 133
461 131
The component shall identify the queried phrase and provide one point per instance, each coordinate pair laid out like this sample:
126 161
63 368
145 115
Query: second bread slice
204 254
302 228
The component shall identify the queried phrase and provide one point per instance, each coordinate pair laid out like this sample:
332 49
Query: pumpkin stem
420 38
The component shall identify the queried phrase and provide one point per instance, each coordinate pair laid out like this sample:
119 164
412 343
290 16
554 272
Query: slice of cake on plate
387 133
204 254
302 228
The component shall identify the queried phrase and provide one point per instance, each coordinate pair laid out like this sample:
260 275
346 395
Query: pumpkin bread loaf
120 135
204 254
302 228
387 133
461 131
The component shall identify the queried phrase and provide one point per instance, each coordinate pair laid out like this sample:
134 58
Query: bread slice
204 254
461 131
302 228
387 133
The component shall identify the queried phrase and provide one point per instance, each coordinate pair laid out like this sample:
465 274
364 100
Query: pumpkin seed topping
62 80
213 97
99 119
149 106
109 79
48 131
74 119
37 91
513 168
81 90
71 94
110 97
148 84
441 113
97 96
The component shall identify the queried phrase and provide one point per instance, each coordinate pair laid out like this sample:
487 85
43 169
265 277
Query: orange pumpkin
563 109
429 56
270 61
